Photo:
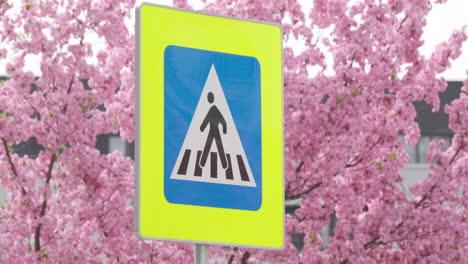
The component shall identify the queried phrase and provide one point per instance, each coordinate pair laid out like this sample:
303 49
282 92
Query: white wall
411 174
3 195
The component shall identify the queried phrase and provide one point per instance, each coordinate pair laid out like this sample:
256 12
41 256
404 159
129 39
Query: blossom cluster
348 100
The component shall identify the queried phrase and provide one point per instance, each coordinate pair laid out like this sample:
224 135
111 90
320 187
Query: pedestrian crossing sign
209 154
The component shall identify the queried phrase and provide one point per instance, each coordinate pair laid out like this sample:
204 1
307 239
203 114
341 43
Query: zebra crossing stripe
184 164
243 171
198 170
229 175
214 165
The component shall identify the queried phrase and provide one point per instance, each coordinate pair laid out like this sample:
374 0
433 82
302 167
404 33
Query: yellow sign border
156 28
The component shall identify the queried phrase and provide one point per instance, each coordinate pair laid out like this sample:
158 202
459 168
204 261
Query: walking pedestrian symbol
213 118
212 129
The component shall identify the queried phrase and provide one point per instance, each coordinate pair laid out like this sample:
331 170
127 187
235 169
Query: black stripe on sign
243 171
184 164
229 175
198 170
214 165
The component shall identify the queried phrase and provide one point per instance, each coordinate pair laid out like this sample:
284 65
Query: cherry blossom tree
343 124
69 204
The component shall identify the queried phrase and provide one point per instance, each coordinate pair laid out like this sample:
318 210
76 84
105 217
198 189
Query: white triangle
195 141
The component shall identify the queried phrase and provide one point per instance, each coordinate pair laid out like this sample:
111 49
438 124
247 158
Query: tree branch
231 259
299 195
371 243
375 241
68 92
245 257
402 22
425 197
352 164
10 161
456 153
12 165
300 166
232 256
37 231
349 165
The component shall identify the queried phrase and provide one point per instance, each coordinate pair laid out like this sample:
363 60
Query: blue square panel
212 129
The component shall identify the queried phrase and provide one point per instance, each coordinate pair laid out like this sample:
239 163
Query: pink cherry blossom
344 118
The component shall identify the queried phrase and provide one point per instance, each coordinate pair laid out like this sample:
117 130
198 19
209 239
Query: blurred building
433 125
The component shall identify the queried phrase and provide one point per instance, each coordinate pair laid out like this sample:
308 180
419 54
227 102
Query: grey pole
201 254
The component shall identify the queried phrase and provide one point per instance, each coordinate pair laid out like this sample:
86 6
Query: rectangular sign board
209 140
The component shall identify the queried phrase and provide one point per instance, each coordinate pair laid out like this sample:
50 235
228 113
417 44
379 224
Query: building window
106 143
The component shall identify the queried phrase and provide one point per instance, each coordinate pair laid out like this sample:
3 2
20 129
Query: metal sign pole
201 254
